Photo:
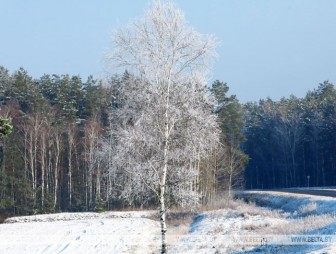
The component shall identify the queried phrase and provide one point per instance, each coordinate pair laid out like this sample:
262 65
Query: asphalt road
316 192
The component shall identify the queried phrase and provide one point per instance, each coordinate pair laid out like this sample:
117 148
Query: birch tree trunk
57 155
164 177
71 143
43 161
92 130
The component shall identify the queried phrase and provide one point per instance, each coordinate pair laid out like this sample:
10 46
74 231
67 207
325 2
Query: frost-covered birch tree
166 125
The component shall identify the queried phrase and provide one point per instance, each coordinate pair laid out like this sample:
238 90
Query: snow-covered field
110 232
214 231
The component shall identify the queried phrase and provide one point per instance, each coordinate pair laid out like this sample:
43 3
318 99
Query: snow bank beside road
216 231
289 202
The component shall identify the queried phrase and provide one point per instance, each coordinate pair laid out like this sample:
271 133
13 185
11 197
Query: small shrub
99 206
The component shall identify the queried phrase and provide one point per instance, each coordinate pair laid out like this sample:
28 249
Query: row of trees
46 164
291 142
62 155
58 157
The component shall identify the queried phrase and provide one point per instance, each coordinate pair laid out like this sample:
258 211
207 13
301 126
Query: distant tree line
292 142
60 155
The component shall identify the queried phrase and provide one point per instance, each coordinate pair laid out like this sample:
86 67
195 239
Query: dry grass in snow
219 223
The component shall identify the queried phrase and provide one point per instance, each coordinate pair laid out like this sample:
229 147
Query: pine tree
231 160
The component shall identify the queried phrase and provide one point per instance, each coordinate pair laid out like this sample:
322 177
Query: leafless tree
71 137
57 146
166 121
92 134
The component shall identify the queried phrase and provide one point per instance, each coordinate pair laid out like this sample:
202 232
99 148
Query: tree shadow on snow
195 224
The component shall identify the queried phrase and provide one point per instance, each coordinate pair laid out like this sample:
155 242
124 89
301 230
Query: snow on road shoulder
286 215
290 202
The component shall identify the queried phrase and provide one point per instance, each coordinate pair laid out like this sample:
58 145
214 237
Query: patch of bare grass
178 222
220 202
180 217
241 208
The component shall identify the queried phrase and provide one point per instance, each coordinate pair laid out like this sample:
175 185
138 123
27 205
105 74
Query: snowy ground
301 215
118 235
213 231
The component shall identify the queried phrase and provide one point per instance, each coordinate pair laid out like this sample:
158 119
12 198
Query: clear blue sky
267 47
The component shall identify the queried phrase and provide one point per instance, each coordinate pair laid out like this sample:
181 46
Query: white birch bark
71 144
57 139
